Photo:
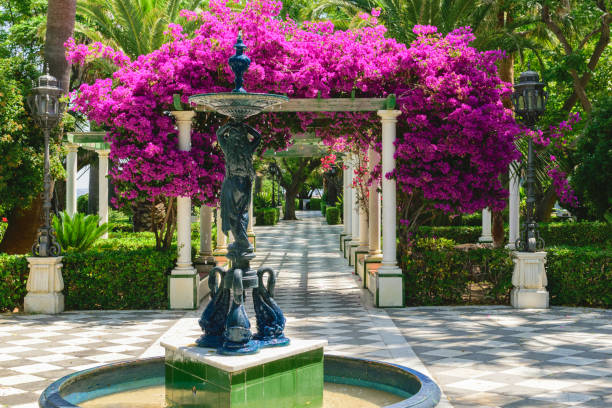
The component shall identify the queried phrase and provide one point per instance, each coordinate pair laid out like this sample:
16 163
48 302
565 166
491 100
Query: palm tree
134 26
60 27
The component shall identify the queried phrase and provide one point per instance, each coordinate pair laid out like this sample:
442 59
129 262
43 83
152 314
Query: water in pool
334 396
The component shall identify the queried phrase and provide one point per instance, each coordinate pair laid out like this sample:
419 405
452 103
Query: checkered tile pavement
480 356
36 350
501 357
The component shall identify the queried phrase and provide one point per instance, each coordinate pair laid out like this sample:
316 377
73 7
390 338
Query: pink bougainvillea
454 136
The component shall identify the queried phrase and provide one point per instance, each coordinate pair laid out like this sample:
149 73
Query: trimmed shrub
579 276
83 204
79 232
314 204
554 233
323 208
438 273
332 215
267 216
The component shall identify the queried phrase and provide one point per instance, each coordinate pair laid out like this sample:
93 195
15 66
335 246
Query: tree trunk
22 229
290 205
60 26
545 205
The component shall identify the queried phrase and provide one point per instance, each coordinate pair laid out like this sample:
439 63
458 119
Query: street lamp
46 107
529 100
275 172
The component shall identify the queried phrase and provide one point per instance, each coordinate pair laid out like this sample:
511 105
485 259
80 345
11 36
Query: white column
183 204
71 175
389 221
486 235
221 248
205 232
354 209
389 283
364 233
374 208
348 193
514 204
345 201
184 279
103 183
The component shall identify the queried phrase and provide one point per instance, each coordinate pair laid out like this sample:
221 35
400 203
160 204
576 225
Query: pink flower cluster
564 191
454 138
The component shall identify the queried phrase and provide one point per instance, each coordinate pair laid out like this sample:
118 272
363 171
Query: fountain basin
413 389
237 105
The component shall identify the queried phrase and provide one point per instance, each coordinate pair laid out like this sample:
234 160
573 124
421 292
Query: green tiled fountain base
295 381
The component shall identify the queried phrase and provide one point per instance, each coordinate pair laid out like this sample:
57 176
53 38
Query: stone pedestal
529 281
45 285
183 290
292 376
486 235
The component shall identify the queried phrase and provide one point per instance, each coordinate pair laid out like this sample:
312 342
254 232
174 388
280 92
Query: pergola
360 240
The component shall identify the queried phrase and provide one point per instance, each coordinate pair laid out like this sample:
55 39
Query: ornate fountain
222 370
227 327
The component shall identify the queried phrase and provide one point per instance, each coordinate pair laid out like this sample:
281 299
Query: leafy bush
323 207
83 204
556 233
332 215
79 232
13 278
437 273
267 216
314 204
579 276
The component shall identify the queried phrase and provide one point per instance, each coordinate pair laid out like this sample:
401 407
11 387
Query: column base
204 264
342 236
46 303
359 254
45 285
485 239
220 257
367 270
350 253
510 246
346 241
389 291
529 298
183 289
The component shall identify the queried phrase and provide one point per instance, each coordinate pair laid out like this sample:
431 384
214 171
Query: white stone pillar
389 278
250 230
71 178
514 206
205 232
221 248
345 201
45 285
486 235
103 187
348 205
529 281
184 280
374 209
354 243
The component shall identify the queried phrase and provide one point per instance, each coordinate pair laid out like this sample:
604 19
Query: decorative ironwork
46 107
226 326
529 100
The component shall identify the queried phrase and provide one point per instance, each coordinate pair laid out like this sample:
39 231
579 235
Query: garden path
480 356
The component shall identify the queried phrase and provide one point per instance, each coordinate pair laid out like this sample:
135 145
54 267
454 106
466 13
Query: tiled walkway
481 357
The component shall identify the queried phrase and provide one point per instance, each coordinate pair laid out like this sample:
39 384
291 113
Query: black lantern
529 100
275 173
46 107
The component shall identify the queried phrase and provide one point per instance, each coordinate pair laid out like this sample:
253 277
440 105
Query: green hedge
267 216
323 208
579 276
119 273
13 278
332 215
554 234
436 273
314 204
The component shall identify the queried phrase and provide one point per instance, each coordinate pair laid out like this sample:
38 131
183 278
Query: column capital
389 114
183 116
71 147
103 153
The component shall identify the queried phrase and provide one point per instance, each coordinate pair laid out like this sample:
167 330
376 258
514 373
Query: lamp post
47 109
275 172
529 100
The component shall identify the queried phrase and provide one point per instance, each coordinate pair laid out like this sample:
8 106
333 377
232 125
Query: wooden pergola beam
329 105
